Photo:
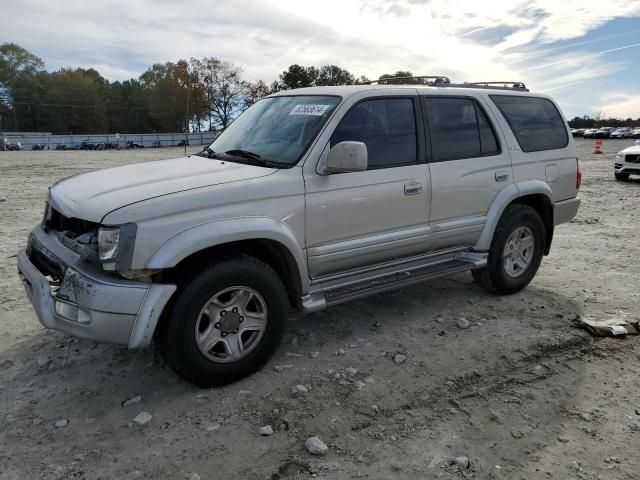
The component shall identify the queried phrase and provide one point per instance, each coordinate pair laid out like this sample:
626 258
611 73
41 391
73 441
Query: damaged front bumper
75 296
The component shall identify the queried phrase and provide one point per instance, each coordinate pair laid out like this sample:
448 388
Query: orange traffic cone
598 146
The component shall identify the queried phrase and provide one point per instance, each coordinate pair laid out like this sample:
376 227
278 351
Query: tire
186 331
622 177
526 223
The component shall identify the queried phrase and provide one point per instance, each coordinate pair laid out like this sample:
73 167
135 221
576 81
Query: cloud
466 39
620 105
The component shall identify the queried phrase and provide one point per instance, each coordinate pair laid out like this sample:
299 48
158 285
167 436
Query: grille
46 263
632 158
75 226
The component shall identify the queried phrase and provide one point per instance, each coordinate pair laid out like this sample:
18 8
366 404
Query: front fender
219 232
502 200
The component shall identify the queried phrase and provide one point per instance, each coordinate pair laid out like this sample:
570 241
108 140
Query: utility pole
186 119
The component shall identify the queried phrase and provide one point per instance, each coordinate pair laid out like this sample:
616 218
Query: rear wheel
516 251
225 323
622 176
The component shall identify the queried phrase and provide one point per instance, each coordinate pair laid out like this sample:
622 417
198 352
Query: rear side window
535 122
387 126
459 129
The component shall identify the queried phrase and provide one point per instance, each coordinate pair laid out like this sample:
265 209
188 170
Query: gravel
315 446
142 418
399 358
463 323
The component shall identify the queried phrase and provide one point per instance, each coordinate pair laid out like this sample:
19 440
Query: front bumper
85 301
626 167
565 210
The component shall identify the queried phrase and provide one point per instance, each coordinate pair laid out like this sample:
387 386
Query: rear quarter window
535 122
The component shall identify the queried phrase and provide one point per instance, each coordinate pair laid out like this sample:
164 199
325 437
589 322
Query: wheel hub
230 322
518 251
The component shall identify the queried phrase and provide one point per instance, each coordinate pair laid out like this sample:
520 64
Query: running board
358 285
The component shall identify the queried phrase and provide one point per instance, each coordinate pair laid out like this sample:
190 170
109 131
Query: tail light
578 174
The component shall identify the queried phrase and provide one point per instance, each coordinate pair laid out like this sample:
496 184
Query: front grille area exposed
43 260
632 158
75 226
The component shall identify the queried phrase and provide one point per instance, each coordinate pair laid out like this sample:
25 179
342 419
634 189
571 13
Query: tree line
600 121
199 94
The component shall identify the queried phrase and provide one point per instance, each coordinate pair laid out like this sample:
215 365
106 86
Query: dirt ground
522 393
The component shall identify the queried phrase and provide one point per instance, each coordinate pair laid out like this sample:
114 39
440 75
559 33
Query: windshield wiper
253 158
243 153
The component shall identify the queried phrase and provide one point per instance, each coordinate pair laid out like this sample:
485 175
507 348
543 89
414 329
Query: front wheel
622 176
516 251
225 323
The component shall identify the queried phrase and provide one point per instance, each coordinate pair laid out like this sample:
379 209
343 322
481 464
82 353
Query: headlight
108 238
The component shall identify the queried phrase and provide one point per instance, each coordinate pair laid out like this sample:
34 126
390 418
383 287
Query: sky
585 53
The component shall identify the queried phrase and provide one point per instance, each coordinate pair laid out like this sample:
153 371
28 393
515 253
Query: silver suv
311 198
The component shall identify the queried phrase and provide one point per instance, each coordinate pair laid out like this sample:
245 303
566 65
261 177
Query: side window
535 122
459 129
387 126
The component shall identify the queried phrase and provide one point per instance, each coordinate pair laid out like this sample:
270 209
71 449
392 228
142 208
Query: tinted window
535 122
388 128
459 129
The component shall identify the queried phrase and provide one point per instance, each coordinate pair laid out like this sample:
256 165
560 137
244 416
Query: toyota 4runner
311 198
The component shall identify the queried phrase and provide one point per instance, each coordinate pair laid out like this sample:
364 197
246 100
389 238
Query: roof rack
498 85
442 81
411 80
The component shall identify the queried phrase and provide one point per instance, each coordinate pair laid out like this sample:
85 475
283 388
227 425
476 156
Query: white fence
146 139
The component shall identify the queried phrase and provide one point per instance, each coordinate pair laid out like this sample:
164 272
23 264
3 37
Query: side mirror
346 157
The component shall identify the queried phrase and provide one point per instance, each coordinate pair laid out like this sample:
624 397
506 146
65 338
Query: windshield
278 129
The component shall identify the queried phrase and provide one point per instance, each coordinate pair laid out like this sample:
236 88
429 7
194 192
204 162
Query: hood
91 196
634 149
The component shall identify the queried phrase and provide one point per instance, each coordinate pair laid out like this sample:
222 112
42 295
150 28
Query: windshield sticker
309 109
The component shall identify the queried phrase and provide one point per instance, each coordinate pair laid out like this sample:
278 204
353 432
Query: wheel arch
534 193
268 240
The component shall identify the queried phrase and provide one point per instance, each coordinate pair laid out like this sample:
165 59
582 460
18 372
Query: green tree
297 76
17 66
255 91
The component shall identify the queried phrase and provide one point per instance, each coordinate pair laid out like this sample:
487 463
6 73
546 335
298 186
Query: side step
358 285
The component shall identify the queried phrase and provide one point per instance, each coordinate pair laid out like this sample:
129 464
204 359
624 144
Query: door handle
412 188
502 176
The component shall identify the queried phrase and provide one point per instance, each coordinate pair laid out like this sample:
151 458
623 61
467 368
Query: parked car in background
627 162
310 198
622 132
578 132
590 133
131 145
604 132
12 147
636 133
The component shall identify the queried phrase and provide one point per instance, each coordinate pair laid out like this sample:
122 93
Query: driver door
360 219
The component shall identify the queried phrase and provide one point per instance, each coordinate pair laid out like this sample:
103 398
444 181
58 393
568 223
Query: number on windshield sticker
314 110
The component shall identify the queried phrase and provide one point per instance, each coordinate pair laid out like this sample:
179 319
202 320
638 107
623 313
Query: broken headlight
108 239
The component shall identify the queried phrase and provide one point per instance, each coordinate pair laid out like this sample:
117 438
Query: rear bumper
564 211
86 302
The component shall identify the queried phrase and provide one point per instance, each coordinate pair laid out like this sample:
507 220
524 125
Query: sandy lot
522 393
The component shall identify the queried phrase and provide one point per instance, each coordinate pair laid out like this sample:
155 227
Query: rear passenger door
469 166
